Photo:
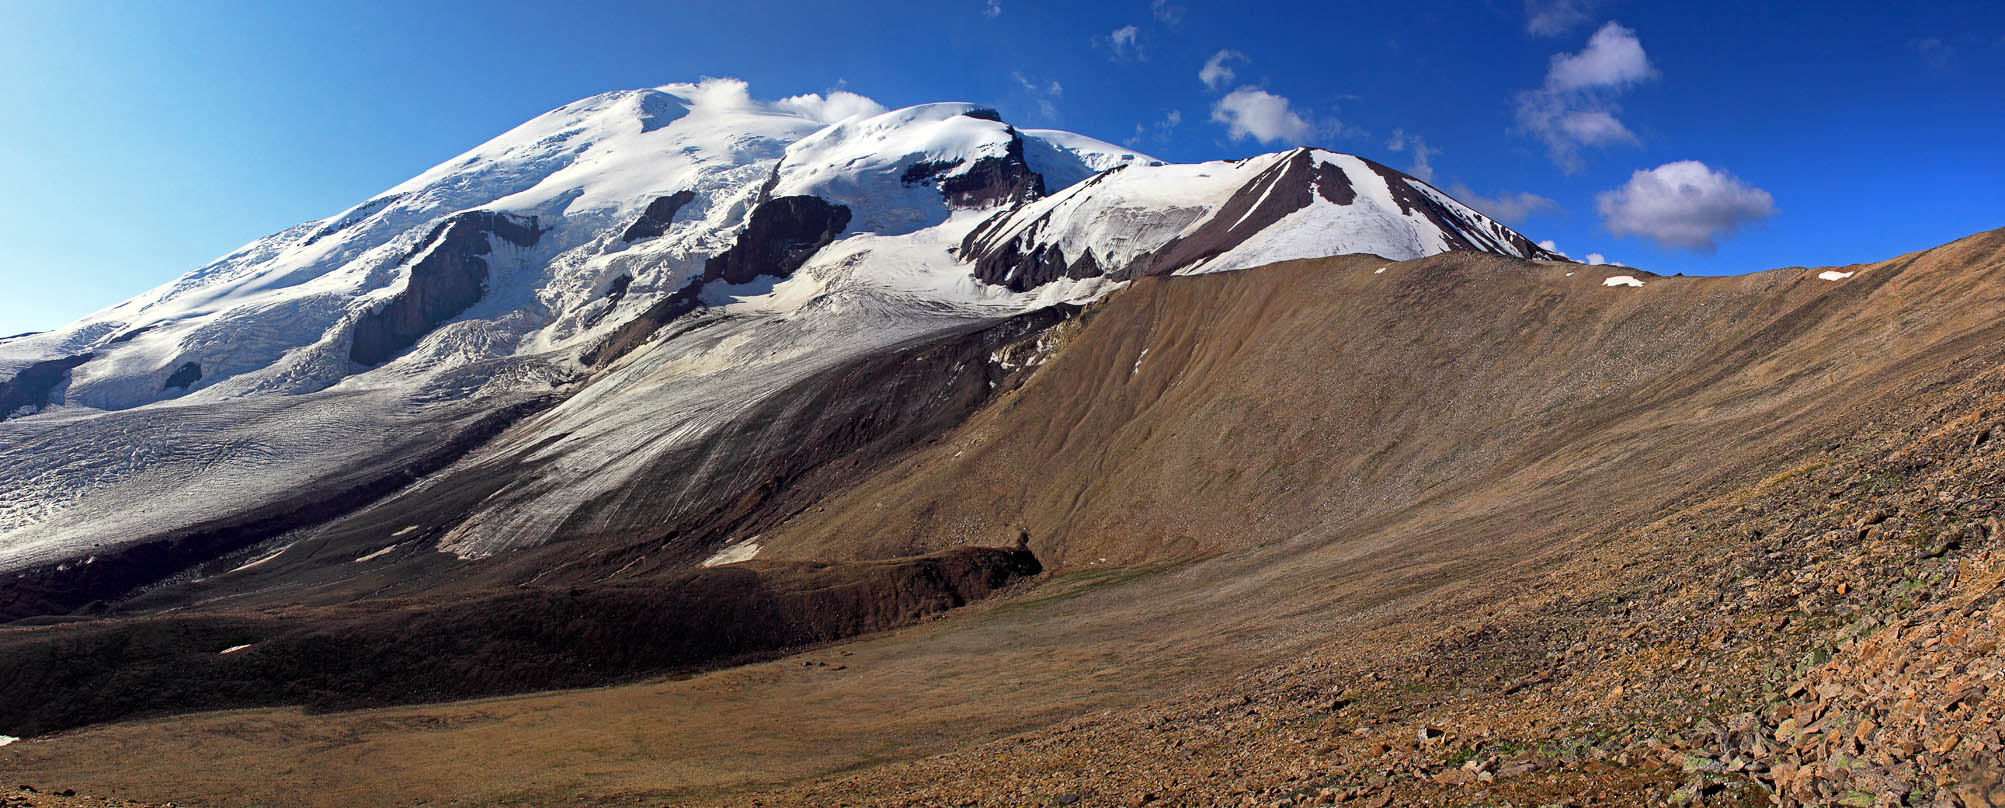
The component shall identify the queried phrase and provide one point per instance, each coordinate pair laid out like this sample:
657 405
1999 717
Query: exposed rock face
31 387
655 220
362 212
782 234
188 374
451 277
989 182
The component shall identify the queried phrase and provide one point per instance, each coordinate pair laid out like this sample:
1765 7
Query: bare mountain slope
1499 506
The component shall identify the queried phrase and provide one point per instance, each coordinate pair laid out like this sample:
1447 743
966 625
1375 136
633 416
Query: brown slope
1430 461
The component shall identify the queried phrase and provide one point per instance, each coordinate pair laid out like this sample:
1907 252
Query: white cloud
1261 115
1421 168
1576 106
1126 42
1507 207
1683 204
838 105
1166 13
993 9
1613 58
1217 73
1550 246
1597 259
1555 17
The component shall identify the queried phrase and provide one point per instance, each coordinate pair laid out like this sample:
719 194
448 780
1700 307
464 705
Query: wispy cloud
1684 204
992 9
1556 17
1508 207
1044 93
1166 12
1159 132
1126 42
1576 105
1936 53
1422 154
1217 72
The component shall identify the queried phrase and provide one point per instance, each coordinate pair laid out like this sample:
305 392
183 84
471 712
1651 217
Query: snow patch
1622 280
733 553
404 531
7 739
233 649
274 554
1138 362
1833 275
375 555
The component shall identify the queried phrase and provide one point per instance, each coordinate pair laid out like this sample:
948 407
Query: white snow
1379 271
7 739
1622 280
376 555
233 649
406 530
1833 275
733 553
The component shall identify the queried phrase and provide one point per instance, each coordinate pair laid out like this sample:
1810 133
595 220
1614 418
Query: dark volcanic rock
32 386
448 280
782 234
127 336
186 375
515 640
987 182
655 220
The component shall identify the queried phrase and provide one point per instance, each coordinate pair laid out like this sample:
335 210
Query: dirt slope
1467 531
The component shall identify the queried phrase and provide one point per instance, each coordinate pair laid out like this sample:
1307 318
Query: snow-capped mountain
620 279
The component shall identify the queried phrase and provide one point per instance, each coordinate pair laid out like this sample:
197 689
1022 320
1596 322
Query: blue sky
142 140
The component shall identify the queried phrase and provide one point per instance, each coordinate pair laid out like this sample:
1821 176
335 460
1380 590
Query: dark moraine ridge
33 385
446 281
510 641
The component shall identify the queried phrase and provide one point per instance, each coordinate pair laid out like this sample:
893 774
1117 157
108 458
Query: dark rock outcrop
188 374
510 641
659 214
32 386
783 232
449 279
127 336
987 182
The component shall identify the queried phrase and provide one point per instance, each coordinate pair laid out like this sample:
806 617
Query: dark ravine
511 641
448 280
33 385
66 587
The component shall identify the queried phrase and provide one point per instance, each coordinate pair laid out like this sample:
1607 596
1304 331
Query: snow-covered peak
905 169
